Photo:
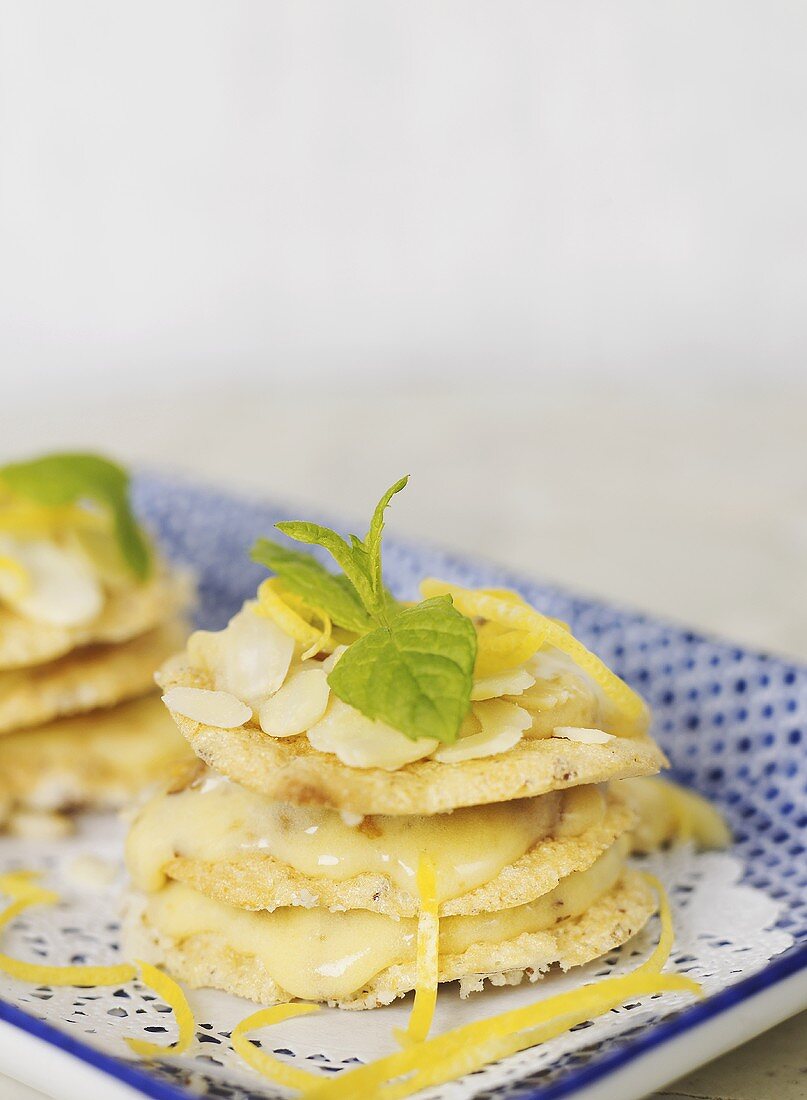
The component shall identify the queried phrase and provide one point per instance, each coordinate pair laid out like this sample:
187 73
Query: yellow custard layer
216 820
320 956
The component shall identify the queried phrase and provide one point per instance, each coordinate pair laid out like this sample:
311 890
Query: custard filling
215 820
318 955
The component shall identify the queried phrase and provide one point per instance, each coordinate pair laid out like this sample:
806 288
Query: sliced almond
360 742
502 725
211 708
62 588
503 683
297 705
330 662
550 663
205 649
583 735
249 658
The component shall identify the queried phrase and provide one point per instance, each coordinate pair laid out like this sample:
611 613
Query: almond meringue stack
283 864
80 724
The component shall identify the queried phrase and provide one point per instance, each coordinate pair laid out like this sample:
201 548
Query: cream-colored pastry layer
319 955
215 819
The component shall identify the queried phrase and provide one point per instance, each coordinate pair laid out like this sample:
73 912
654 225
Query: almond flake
211 708
583 735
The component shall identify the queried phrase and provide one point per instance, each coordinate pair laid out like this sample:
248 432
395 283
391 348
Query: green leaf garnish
61 479
414 674
360 560
412 668
303 575
344 554
372 546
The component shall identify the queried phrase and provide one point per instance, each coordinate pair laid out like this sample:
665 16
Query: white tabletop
688 500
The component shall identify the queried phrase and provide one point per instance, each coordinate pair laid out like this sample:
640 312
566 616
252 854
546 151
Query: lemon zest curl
25 891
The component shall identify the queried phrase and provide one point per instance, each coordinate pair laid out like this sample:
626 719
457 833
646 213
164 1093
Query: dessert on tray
88 610
362 759
364 796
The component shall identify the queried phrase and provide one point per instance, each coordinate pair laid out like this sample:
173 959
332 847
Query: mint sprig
61 479
305 577
410 667
415 674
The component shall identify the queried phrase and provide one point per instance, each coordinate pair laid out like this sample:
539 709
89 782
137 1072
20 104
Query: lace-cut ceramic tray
734 724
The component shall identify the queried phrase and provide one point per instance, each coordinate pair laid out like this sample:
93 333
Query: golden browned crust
260 881
205 960
91 761
86 679
291 770
127 613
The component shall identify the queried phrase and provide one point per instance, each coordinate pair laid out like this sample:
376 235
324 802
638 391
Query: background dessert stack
288 862
88 611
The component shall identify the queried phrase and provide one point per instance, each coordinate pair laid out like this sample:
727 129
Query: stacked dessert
87 613
343 739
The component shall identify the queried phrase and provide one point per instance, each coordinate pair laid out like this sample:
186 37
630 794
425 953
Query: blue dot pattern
733 722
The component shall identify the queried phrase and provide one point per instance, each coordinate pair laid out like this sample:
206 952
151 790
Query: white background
206 189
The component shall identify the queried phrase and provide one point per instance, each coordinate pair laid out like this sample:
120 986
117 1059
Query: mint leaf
415 674
61 479
386 604
345 556
303 575
372 546
360 560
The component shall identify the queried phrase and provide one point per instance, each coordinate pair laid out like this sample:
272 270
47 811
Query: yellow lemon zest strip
646 978
630 705
26 518
276 605
19 574
521 616
661 952
307 613
697 820
500 652
265 1064
559 622
323 643
21 886
25 885
420 1019
66 975
467 1048
172 994
18 517
466 1055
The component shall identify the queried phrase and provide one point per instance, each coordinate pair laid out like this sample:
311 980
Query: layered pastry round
85 679
274 901
97 760
466 737
89 609
128 612
295 771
